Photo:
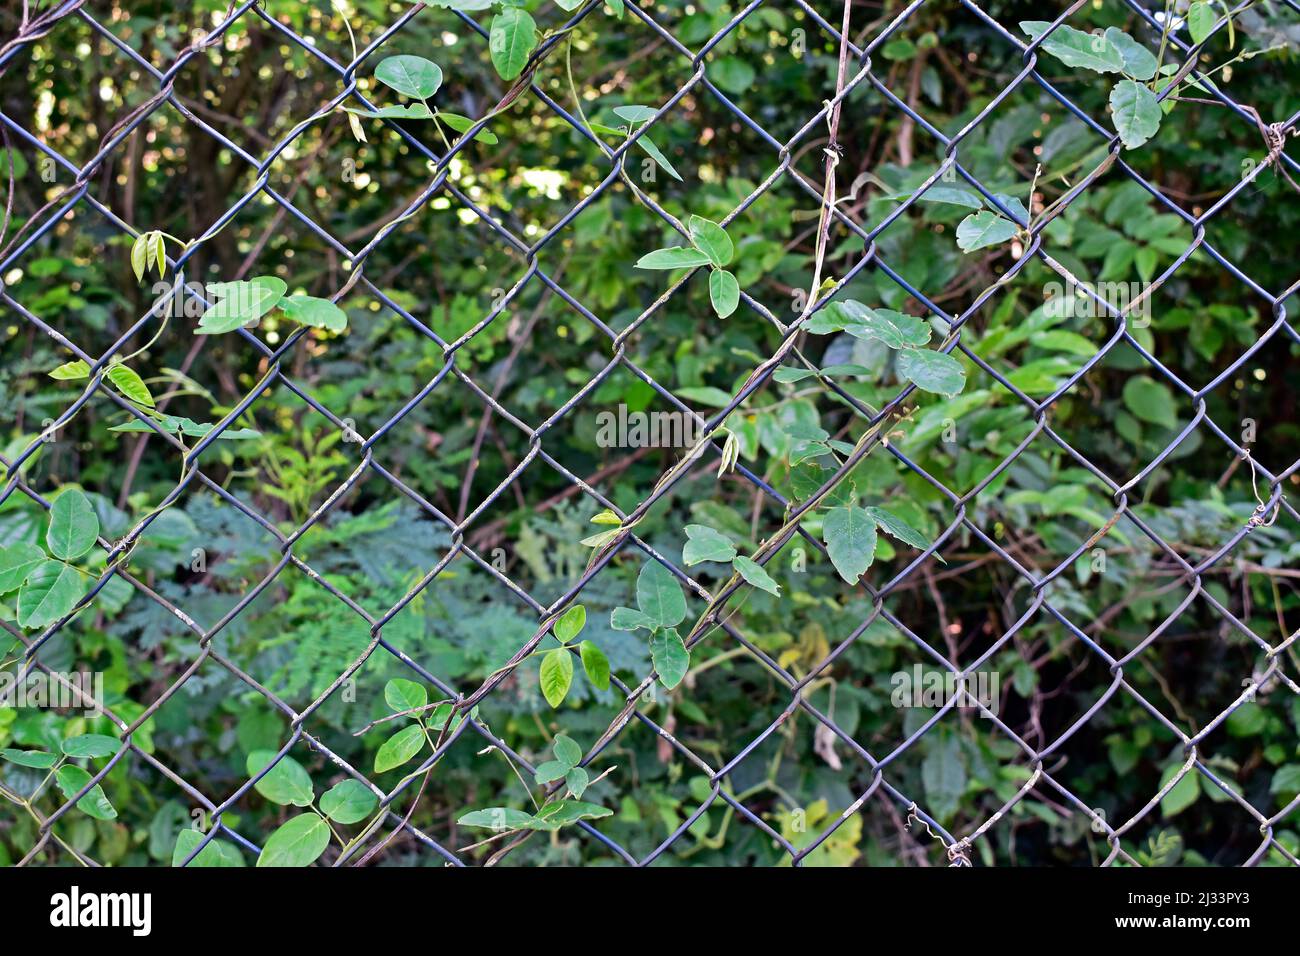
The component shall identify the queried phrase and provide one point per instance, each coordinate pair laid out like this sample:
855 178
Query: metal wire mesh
453 374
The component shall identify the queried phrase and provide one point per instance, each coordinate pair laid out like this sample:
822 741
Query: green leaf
498 819
1135 111
655 153
566 750
932 371
174 425
410 75
895 526
705 395
348 802
158 252
555 676
952 195
850 536
287 783
74 526
411 111
1200 21
51 591
299 842
140 255
218 853
600 539
17 562
1151 401
788 374
551 770
981 229
733 74
627 619
511 40
402 695
240 303
71 779
670 657
570 624
1183 794
318 313
596 664
754 573
559 813
606 517
712 240
129 384
400 748
724 292
674 257
1139 62
37 759
91 745
462 124
635 114
576 780
706 544
895 329
71 371
659 596
1076 48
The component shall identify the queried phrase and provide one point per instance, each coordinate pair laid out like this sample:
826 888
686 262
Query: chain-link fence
281 363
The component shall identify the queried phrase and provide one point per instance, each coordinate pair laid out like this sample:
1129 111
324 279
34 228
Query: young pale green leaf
670 657
1139 62
462 124
348 802
569 5
71 371
628 619
674 257
606 517
130 384
1076 48
405 111
402 695
217 853
36 759
318 313
850 536
932 371
635 114
981 229
158 253
287 783
240 303
566 750
1135 111
140 256
16 562
596 664
1201 19
556 675
706 544
410 75
712 240
299 842
655 153
400 748
74 526
600 539
754 573
51 591
90 745
570 624
511 41
71 779
659 596
896 527
576 781
724 292
498 819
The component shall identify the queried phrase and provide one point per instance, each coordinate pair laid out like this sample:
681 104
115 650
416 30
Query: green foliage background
446 268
